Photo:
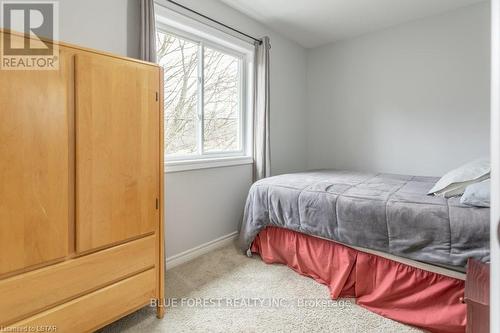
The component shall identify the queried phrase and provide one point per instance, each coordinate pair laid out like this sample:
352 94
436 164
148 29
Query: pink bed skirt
394 290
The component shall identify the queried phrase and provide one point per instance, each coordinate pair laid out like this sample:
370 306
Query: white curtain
261 137
148 31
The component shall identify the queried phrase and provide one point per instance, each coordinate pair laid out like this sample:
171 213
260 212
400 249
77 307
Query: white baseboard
200 250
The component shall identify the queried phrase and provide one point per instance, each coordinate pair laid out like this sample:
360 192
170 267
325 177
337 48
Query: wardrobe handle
498 231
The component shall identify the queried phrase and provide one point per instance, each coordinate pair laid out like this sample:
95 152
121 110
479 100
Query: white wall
206 204
412 99
110 25
495 168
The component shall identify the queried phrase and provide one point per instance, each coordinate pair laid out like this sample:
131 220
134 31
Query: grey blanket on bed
389 213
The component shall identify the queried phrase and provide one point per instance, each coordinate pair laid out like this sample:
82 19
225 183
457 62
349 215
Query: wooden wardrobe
81 191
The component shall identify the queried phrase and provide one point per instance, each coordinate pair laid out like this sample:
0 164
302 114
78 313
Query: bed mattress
382 212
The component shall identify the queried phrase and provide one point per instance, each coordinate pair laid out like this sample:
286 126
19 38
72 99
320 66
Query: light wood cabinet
81 191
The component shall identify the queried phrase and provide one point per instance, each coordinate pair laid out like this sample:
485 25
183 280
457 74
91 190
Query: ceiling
313 23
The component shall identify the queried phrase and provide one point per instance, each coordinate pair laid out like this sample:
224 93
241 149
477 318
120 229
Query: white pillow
455 181
477 194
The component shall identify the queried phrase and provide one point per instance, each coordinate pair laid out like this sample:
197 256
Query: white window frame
171 22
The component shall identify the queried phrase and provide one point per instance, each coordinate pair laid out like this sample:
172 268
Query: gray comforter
389 213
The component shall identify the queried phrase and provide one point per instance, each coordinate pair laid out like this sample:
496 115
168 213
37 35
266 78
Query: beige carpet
274 297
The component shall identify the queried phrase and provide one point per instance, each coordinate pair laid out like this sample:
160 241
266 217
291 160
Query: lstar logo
29 26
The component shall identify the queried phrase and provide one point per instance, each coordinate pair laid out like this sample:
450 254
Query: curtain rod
215 21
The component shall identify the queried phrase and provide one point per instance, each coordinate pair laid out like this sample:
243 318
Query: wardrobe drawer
92 311
35 291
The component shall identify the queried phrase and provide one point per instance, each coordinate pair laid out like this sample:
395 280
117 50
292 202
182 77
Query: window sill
186 165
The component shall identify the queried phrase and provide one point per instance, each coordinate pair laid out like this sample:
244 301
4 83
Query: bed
376 237
384 212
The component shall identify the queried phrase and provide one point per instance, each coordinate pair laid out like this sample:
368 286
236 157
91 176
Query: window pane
221 102
179 58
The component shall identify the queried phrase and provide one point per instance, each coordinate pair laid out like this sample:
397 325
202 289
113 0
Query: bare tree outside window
193 128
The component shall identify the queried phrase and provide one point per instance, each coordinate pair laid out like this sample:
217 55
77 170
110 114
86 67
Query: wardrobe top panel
77 47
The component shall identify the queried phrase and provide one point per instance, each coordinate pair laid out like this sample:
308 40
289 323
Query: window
205 97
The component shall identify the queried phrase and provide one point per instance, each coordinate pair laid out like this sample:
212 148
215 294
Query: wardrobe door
117 154
35 130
